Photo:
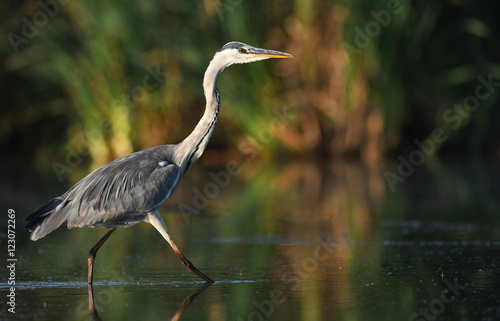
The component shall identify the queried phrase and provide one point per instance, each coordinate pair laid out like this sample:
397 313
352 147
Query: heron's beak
258 52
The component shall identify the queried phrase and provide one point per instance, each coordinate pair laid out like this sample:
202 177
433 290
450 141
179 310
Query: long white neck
191 148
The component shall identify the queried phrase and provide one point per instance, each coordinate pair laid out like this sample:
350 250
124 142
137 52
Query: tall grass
85 70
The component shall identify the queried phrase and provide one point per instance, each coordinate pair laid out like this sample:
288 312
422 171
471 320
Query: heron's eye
242 50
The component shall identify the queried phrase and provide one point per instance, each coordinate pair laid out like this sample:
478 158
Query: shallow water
298 242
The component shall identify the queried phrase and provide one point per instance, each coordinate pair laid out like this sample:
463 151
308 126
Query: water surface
296 242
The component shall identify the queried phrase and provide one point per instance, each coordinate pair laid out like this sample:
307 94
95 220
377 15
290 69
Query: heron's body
130 189
118 194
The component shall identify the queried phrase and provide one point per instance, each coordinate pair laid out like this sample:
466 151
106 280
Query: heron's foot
190 266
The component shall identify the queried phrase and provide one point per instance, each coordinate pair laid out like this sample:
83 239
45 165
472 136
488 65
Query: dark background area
366 83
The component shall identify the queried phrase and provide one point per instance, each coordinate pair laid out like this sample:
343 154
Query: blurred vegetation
97 80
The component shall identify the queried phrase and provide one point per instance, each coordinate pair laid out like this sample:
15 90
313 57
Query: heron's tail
43 221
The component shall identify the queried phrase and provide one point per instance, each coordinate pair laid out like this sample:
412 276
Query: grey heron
130 189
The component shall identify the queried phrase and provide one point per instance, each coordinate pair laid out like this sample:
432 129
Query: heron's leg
155 219
93 252
93 312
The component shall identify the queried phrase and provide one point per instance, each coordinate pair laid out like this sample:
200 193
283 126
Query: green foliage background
366 82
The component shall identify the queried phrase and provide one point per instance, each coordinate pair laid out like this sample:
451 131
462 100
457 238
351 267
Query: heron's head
240 53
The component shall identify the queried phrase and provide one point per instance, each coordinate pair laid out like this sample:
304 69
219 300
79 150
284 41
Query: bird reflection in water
187 301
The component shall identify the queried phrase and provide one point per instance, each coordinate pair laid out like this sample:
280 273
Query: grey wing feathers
117 194
41 214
